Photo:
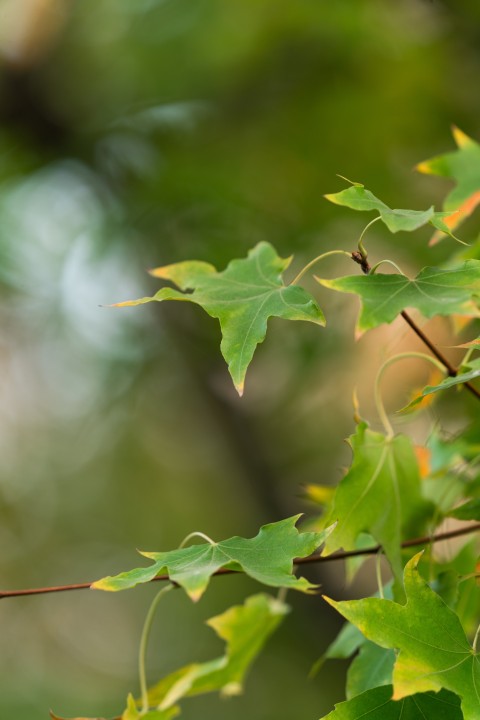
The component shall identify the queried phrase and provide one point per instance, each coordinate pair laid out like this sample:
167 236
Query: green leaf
434 652
433 292
268 558
245 629
377 704
358 197
380 495
463 166
459 379
468 511
464 595
373 666
242 297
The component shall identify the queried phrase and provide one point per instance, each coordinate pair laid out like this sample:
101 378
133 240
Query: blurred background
136 133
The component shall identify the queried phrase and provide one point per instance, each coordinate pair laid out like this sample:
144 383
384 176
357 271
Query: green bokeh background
135 133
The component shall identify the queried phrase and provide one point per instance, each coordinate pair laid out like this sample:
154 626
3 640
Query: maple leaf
357 197
433 650
376 704
242 297
462 166
434 292
379 495
268 558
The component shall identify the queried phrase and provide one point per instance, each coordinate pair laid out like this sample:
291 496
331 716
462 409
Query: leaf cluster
414 645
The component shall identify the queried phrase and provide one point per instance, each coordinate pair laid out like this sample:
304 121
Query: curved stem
468 355
382 262
196 534
475 639
317 259
378 572
378 396
144 642
361 247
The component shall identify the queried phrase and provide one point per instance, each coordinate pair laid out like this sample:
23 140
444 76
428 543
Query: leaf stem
196 533
390 262
361 247
475 639
378 572
378 396
144 642
317 259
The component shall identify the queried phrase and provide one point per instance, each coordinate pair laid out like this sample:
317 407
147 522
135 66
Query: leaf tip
423 167
239 387
100 585
351 182
158 272
328 600
460 137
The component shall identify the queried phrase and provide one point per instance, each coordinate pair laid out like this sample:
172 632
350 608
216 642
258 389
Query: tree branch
414 542
452 371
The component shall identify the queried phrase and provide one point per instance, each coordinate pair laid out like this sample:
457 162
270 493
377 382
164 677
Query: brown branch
414 542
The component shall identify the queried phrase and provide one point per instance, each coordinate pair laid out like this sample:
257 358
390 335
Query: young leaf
463 166
268 558
433 292
377 704
358 197
242 297
449 382
245 629
434 652
380 495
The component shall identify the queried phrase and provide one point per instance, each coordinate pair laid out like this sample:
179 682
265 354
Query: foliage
412 657
242 297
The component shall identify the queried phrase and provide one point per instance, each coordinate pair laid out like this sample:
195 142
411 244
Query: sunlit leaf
357 197
268 558
245 629
434 652
433 292
380 495
243 297
462 166
377 704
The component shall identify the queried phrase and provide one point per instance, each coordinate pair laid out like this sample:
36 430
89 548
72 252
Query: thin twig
414 542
